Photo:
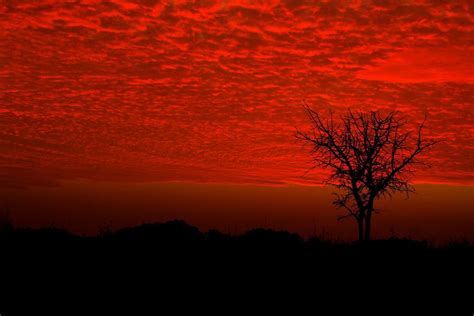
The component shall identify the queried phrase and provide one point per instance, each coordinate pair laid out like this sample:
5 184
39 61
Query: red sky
212 91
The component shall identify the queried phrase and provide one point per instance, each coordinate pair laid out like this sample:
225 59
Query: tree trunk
360 225
368 222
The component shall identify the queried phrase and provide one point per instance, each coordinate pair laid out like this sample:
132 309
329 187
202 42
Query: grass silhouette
178 261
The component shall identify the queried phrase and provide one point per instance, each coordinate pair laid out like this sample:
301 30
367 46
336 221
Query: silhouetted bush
176 257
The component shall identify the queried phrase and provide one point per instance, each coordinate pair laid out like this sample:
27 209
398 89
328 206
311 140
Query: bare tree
369 156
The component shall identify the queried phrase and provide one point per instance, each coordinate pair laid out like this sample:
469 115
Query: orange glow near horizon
204 92
436 212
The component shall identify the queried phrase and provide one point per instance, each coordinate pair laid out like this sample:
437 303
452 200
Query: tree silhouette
369 155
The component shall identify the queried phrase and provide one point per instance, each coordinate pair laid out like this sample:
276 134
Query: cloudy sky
212 91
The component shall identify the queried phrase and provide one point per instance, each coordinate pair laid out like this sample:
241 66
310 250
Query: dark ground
173 264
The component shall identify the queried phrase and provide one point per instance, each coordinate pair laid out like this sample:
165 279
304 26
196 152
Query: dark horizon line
176 225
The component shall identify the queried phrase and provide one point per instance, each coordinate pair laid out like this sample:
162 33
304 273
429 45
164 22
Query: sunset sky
202 96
